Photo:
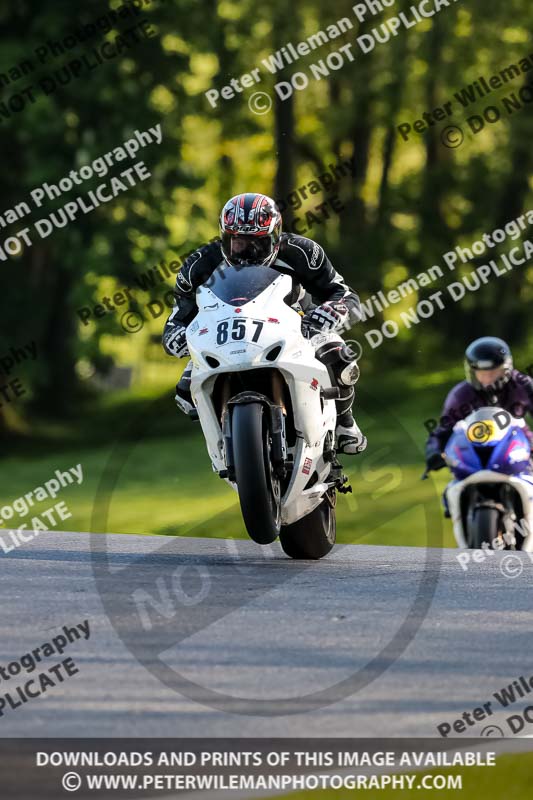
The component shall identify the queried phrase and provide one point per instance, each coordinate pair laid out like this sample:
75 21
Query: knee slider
349 374
348 369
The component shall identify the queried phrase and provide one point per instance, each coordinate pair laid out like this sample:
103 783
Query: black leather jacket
298 256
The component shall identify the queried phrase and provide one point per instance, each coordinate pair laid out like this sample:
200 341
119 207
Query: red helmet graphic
250 230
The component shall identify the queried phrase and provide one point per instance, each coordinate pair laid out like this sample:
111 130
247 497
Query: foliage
407 204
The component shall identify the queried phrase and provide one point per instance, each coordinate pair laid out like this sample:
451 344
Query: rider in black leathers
251 234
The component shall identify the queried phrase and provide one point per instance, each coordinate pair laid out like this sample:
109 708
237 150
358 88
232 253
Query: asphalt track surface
264 628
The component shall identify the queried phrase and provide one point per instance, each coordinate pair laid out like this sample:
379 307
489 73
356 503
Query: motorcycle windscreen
239 285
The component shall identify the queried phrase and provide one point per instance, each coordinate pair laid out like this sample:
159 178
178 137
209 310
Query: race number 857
238 330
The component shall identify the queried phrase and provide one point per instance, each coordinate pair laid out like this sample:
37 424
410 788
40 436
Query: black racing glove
176 343
331 316
435 462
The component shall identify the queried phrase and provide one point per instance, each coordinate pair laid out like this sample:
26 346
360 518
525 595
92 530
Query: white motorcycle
491 499
267 408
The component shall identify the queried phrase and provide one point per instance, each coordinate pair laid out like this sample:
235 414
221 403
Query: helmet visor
241 249
489 377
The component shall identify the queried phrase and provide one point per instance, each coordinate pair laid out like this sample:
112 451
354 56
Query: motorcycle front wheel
258 487
484 527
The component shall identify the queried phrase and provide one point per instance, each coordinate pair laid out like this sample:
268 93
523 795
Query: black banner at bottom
47 769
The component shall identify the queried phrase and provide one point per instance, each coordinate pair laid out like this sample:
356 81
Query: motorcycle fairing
261 305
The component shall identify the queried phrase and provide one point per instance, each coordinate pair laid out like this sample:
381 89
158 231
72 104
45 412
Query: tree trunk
285 29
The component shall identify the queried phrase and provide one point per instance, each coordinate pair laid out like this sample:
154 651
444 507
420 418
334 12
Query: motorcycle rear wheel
259 488
311 537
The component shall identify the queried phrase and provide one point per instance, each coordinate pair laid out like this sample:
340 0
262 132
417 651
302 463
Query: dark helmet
250 230
488 353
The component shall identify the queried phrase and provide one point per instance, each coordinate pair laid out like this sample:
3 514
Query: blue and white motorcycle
490 500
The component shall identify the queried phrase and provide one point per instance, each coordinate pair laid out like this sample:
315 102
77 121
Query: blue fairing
509 456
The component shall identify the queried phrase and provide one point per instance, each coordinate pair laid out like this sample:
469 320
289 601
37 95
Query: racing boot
344 372
350 440
348 436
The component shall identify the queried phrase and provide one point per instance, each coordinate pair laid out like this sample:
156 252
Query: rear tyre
311 537
484 528
258 487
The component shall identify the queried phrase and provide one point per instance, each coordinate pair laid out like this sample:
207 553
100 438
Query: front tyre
259 488
484 528
313 536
